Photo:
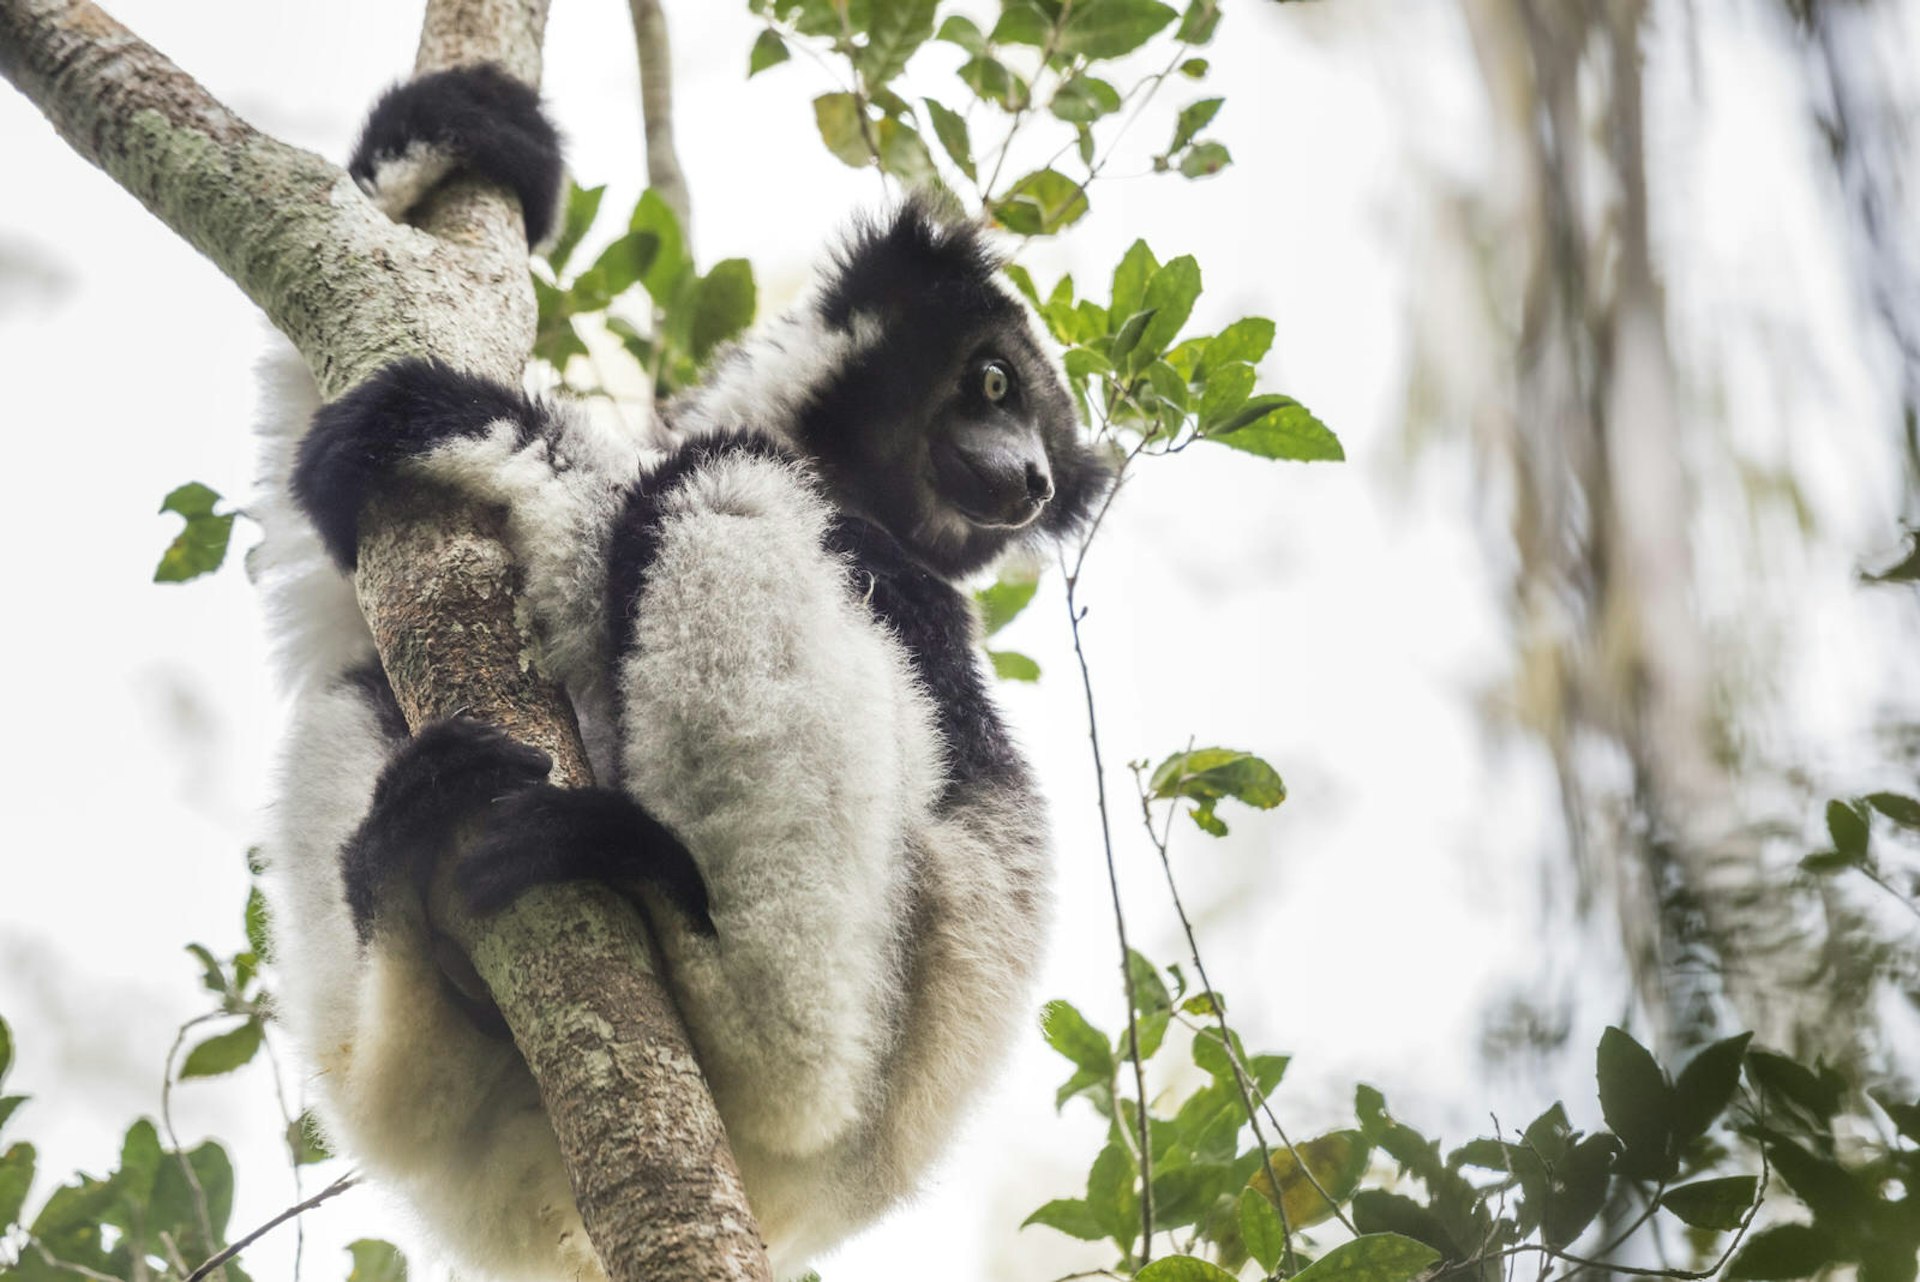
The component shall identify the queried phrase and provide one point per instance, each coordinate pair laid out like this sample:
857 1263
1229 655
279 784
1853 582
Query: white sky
1343 621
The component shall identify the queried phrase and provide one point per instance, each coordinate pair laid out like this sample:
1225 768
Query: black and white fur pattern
808 786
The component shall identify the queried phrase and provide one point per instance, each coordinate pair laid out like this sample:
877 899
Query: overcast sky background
1345 622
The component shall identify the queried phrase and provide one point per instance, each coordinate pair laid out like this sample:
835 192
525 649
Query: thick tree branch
569 968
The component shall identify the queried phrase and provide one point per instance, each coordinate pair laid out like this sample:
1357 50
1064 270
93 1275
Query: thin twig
1119 911
55 1262
334 1189
201 1212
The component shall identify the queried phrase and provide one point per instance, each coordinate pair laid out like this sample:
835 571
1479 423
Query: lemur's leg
476 119
771 724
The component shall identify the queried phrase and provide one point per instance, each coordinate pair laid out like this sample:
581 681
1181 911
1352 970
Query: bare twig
200 1209
334 1189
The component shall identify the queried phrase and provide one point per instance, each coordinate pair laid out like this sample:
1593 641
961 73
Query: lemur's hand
477 120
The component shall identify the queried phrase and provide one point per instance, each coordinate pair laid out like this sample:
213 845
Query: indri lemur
755 611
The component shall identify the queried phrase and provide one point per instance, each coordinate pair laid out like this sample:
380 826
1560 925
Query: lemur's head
949 424
914 378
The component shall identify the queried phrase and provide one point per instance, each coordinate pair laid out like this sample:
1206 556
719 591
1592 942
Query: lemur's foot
476 119
404 412
451 772
545 834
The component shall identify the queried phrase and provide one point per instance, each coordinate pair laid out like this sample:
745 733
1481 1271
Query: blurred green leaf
16 1177
1782 1252
1377 1257
838 116
583 206
1199 22
1068 1032
1903 810
1637 1101
769 50
1109 28
304 1143
990 80
1208 775
256 922
1335 1161
1112 1195
1847 825
957 30
1182 1268
1011 665
620 267
897 28
376 1261
1084 99
1041 203
670 263
1194 68
1579 1189
723 308
1070 1215
1278 427
1712 1204
1022 22
951 129
1247 339
1261 1230
6 1050
1706 1085
1192 119
1204 159
1001 602
201 547
223 1052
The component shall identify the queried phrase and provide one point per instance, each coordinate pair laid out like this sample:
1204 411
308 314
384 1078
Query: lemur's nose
1039 483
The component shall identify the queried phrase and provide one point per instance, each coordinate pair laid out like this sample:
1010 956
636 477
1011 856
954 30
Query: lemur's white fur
873 948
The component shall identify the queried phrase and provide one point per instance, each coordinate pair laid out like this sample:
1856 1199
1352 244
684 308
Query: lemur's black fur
485 121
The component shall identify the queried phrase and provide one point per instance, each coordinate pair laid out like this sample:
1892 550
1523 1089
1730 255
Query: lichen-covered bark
569 967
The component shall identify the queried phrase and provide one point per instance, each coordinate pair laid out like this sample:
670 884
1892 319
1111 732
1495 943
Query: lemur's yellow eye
995 381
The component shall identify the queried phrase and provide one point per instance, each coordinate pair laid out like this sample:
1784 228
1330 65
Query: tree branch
656 111
569 967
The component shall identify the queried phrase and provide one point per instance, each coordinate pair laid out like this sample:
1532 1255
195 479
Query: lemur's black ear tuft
477 119
1082 475
926 250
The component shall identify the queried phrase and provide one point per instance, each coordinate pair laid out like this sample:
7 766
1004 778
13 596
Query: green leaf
1192 119
724 307
1022 22
898 27
376 1261
1204 159
1906 1117
1824 863
1903 810
304 1141
1834 1195
838 116
6 1050
1110 28
1847 825
1011 665
1068 1032
1820 1094
769 50
1782 1252
1227 388
957 30
1279 427
1636 1100
1377 1257
1137 267
1112 1196
256 920
1182 1268
1706 1086
1336 1161
903 152
1170 296
1579 1189
1199 22
1041 203
1000 603
1070 1215
1247 339
8 1105
1208 775
583 206
1084 99
671 262
1261 1230
1128 339
1378 1211
1194 68
223 1052
620 267
951 129
212 978
175 1206
16 1176
1205 1005
989 78
1712 1204
200 547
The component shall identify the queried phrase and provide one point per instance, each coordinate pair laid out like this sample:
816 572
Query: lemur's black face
951 426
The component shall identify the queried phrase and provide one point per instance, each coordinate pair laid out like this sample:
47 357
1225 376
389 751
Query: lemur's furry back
806 783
